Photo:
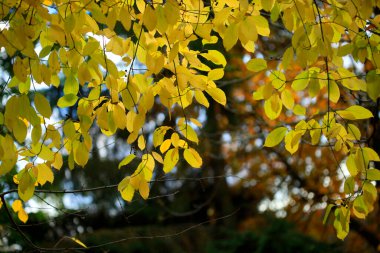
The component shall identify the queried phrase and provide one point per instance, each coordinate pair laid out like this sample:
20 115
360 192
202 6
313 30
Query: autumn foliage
114 62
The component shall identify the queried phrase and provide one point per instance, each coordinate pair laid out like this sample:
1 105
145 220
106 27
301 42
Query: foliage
180 47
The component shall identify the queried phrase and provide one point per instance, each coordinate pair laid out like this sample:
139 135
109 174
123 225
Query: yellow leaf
217 94
42 105
157 157
216 74
292 141
216 57
148 166
144 189
165 145
78 242
189 133
17 205
175 139
58 161
230 36
44 174
273 106
150 18
287 99
275 137
126 189
23 216
192 157
201 98
80 153
257 65
125 18
171 160
141 142
158 135
262 25
90 47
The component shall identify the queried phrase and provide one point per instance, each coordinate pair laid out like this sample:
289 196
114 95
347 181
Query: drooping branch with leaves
113 61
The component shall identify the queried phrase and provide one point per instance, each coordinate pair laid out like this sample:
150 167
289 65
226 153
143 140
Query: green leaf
257 65
275 137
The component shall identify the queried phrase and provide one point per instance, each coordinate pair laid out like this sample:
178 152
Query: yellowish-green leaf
373 174
299 110
334 91
301 81
372 155
275 137
67 100
42 105
327 212
355 112
373 85
351 165
257 65
126 160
